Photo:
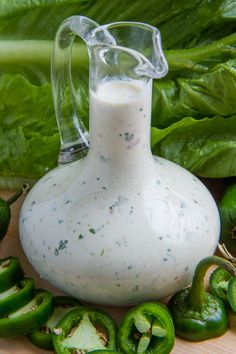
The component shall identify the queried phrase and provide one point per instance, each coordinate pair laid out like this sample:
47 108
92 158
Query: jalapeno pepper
198 315
10 272
17 296
227 208
146 328
34 314
84 329
5 211
42 337
219 285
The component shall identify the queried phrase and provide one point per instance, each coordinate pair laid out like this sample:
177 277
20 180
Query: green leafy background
194 107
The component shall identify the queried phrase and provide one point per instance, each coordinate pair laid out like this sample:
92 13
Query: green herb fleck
62 244
128 136
92 231
80 237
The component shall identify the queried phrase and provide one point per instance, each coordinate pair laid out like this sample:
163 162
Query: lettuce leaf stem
39 52
35 52
181 59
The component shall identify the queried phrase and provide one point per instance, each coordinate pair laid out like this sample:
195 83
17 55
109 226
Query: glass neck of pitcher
120 119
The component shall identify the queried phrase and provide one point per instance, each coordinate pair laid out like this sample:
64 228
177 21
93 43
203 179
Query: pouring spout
140 40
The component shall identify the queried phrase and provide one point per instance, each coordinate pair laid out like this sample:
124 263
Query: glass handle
73 135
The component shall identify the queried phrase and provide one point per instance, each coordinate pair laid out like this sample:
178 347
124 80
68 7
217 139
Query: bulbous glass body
120 226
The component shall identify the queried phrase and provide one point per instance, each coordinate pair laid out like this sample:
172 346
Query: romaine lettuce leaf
200 84
207 95
207 147
183 23
29 139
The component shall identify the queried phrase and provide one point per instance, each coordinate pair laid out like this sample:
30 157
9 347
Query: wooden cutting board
10 246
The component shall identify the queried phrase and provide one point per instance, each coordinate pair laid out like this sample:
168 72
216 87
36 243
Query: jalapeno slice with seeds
34 314
17 296
218 283
10 272
146 328
104 352
83 330
42 337
232 294
222 285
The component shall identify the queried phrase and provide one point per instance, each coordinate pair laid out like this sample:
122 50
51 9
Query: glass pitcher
116 225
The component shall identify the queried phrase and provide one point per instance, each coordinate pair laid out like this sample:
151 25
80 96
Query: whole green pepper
198 315
227 208
146 328
84 329
5 211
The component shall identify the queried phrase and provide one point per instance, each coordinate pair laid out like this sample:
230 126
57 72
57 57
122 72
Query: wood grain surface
10 246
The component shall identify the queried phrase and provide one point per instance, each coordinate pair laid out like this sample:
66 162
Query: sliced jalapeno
147 328
218 282
42 337
104 351
33 315
17 296
10 272
223 285
232 294
83 330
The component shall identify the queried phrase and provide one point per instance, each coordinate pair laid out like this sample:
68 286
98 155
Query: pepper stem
225 253
196 294
24 188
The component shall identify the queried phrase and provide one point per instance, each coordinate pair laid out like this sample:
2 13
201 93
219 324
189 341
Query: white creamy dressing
119 227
